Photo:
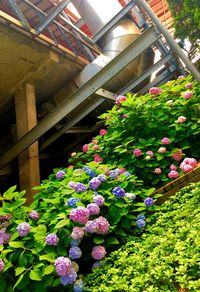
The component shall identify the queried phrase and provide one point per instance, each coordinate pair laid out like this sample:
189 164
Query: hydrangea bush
150 135
77 218
80 215
165 258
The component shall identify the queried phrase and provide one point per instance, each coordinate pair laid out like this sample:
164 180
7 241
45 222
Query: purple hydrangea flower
94 183
97 264
79 188
148 202
75 242
140 223
78 286
60 174
63 266
34 215
52 239
80 215
114 173
102 177
93 209
77 233
118 192
91 227
98 252
99 200
4 237
141 217
2 265
72 184
75 252
23 229
150 153
71 202
69 279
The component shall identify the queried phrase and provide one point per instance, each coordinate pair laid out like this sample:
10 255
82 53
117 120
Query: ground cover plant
82 213
164 258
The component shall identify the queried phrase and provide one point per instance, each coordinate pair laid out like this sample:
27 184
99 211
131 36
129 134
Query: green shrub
164 258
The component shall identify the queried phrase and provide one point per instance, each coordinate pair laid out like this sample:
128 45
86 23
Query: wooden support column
26 119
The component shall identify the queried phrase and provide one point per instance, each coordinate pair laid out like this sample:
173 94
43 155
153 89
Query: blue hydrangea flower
118 192
75 242
113 173
71 202
148 202
97 264
69 279
90 172
127 173
78 286
141 217
140 223
75 252
85 168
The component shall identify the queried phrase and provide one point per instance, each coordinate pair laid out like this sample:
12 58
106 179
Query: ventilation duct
96 13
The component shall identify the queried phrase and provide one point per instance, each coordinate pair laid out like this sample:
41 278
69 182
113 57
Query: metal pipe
173 45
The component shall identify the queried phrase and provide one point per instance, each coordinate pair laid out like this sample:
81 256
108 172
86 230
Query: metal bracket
19 14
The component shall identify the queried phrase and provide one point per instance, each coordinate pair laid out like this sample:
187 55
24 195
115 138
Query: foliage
186 15
29 260
164 258
141 122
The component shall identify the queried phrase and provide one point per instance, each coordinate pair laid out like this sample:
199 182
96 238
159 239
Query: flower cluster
60 174
80 215
34 215
148 202
52 239
98 252
71 202
118 192
188 164
99 226
77 233
94 183
23 229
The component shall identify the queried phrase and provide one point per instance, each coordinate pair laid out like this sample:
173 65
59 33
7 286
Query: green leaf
112 240
48 270
19 281
35 275
62 223
98 240
16 244
9 194
22 259
3 286
19 270
120 231
50 257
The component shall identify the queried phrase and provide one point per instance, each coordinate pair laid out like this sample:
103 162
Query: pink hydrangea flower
97 158
188 164
99 226
2 265
99 200
103 132
162 150
120 99
157 170
63 266
155 90
173 167
85 148
189 85
96 147
80 215
98 252
181 119
173 174
77 233
94 141
187 94
150 153
93 209
177 155
165 141
137 152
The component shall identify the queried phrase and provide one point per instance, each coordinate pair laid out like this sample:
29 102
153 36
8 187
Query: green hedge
164 258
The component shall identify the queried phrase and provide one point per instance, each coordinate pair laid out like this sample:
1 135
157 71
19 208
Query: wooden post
26 119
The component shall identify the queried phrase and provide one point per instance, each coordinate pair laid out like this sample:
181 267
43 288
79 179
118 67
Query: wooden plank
26 119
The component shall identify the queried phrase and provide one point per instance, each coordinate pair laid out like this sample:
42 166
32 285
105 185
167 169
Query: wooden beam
26 119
